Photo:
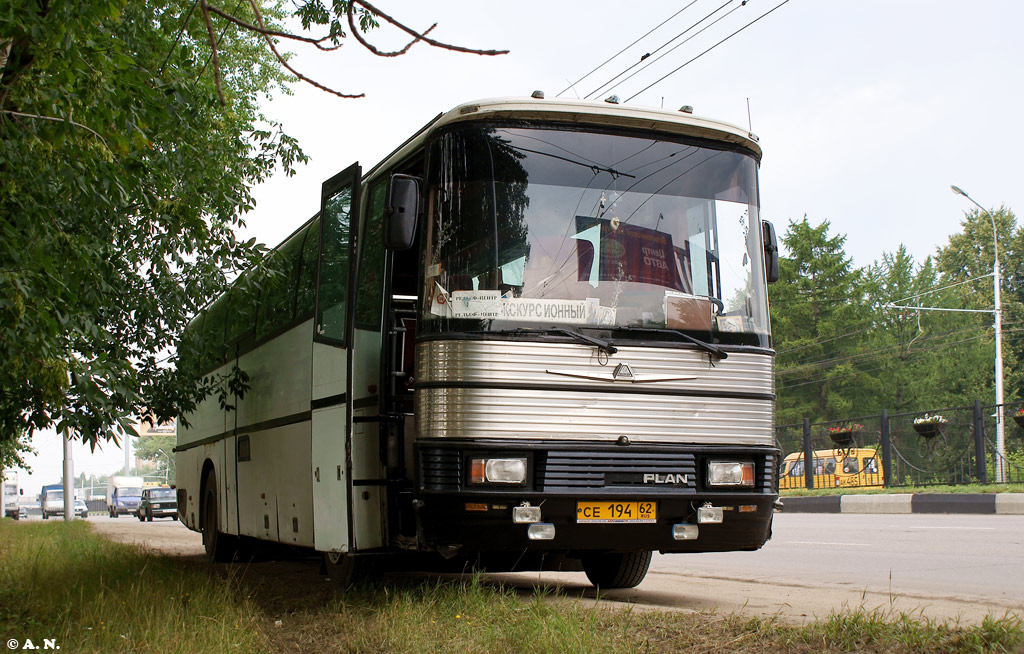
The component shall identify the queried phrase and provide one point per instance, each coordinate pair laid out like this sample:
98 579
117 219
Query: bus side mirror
401 211
771 252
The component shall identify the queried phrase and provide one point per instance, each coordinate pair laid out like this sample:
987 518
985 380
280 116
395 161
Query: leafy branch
316 13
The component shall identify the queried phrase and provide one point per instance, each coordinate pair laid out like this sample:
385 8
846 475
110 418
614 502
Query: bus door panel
330 457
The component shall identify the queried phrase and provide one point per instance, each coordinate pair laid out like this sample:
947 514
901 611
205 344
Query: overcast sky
867 111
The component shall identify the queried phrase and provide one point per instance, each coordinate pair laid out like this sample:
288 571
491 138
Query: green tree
112 229
157 448
968 260
897 353
819 312
131 136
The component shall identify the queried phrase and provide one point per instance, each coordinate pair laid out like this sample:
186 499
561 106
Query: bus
837 468
535 336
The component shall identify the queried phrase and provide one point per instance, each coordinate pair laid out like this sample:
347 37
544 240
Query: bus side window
305 299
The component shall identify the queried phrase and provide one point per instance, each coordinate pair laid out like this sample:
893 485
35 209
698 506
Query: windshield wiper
713 350
604 346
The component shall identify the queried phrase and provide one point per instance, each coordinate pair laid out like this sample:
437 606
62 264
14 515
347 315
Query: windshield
129 492
54 495
532 228
167 493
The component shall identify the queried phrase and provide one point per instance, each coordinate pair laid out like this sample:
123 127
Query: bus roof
581 112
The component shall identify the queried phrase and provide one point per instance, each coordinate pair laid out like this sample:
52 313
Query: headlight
483 470
731 473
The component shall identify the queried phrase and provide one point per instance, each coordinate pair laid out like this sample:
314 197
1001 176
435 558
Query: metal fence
903 449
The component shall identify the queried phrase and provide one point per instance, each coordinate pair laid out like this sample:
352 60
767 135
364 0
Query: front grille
566 469
769 479
440 469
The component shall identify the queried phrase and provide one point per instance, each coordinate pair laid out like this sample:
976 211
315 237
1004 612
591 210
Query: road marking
822 542
952 528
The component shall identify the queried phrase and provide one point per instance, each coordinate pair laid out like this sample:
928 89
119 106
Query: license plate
616 512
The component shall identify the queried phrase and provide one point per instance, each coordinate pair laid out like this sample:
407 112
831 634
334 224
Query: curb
903 503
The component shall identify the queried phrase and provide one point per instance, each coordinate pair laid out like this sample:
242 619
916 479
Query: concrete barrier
978 503
897 503
951 503
1010 503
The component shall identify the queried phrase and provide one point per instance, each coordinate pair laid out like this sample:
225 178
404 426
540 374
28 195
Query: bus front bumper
472 524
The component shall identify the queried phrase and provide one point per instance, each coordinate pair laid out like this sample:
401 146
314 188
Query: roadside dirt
288 585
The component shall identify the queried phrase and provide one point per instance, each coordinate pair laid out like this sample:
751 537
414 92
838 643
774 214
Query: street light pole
167 466
1000 424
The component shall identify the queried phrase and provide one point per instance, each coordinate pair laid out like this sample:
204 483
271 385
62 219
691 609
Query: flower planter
842 437
928 429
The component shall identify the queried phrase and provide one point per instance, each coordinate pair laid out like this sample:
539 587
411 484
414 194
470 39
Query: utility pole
1000 423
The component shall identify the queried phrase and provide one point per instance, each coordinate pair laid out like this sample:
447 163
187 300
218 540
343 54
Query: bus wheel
622 570
219 547
340 569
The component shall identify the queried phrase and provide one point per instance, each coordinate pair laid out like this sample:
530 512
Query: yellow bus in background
836 468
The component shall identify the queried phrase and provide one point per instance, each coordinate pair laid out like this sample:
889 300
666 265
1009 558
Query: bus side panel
257 501
280 373
275 494
294 483
207 423
330 480
188 466
227 478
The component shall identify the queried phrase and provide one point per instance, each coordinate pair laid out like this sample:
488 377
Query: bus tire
617 570
220 547
340 569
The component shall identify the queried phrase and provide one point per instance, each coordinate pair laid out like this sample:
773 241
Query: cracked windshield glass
548 228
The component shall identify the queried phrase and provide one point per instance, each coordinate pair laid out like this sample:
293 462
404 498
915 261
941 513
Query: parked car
81 510
161 502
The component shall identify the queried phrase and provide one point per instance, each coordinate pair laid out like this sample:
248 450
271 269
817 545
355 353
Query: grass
960 489
61 581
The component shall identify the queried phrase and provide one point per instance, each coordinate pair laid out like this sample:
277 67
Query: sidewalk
986 504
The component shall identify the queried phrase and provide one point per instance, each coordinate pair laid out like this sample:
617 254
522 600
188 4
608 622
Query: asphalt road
945 567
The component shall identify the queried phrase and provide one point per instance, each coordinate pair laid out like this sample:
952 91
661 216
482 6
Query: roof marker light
538 95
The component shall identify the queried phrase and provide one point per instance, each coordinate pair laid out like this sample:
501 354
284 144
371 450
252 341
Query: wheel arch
207 468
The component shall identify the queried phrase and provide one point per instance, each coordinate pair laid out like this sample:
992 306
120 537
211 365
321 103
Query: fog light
731 473
525 514
684 532
541 531
709 515
497 471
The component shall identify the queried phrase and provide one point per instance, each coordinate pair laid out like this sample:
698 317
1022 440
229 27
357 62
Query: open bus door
331 467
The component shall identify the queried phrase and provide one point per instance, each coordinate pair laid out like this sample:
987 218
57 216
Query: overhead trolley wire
610 83
707 51
626 48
